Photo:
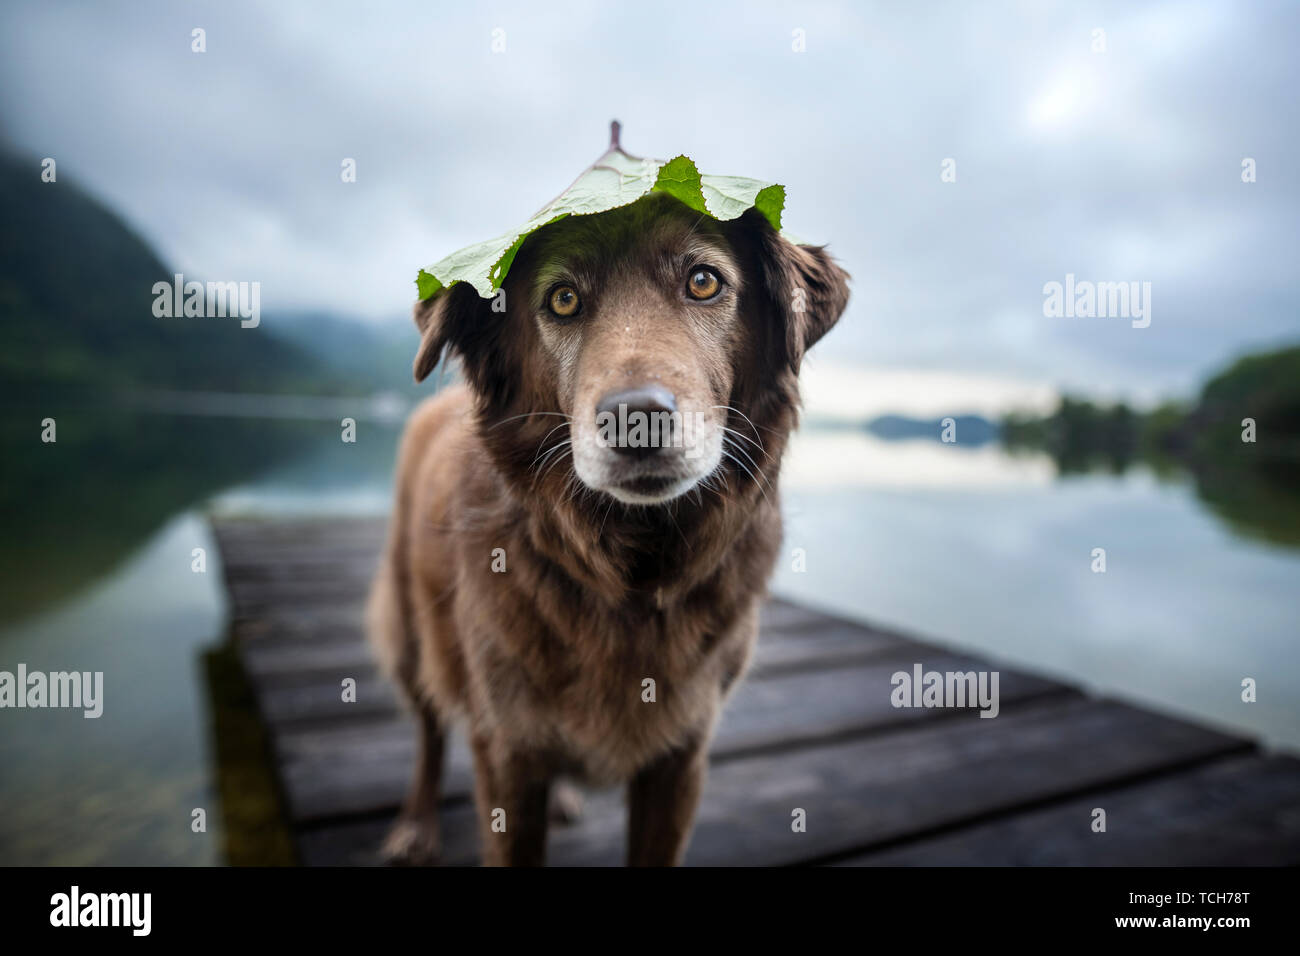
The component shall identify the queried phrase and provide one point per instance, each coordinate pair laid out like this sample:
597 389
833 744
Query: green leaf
427 284
770 201
729 196
680 179
614 180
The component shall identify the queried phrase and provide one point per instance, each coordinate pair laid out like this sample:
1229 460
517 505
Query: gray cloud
1122 165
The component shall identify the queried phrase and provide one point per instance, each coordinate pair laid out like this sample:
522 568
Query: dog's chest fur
600 688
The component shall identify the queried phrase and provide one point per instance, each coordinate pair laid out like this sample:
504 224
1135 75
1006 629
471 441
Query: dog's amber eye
703 284
564 301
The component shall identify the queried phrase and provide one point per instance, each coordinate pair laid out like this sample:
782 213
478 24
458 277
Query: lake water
970 548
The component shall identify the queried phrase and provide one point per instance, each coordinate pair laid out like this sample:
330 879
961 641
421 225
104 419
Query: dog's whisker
726 441
548 435
608 508
742 436
544 458
567 453
745 468
513 418
732 408
709 483
536 463
669 511
578 490
720 474
731 431
541 459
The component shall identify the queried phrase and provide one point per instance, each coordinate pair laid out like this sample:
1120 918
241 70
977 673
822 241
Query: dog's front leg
511 792
414 839
661 806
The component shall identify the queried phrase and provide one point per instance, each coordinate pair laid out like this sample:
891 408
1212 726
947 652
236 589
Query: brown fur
546 661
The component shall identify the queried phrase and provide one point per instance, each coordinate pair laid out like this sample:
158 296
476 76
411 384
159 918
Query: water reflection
969 545
75 508
98 576
993 553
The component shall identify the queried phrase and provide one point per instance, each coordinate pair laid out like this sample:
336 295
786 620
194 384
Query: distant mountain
379 355
969 430
76 307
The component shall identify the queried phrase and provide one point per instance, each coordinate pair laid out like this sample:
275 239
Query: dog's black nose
637 421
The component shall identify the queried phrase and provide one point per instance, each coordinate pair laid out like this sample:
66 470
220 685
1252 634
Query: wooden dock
811 727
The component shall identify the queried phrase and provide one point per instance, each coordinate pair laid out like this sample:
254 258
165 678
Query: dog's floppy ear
807 288
444 319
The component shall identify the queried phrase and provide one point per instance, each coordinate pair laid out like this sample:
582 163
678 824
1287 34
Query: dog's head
663 338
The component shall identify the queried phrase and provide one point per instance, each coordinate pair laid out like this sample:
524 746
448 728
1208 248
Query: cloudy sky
1115 165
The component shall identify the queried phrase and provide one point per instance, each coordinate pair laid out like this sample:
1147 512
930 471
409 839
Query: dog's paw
566 803
411 843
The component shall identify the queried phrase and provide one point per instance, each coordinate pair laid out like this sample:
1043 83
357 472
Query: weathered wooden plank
276 622
339 770
290 651
351 568
338 650
315 696
249 596
792 638
808 706
357 842
284 648
309 575
812 727
300 661
780 615
297 551
265 560
256 532
281 570
373 779
303 622
864 792
317 701
1234 812
358 559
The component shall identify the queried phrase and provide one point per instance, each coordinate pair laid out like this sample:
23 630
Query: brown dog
595 510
